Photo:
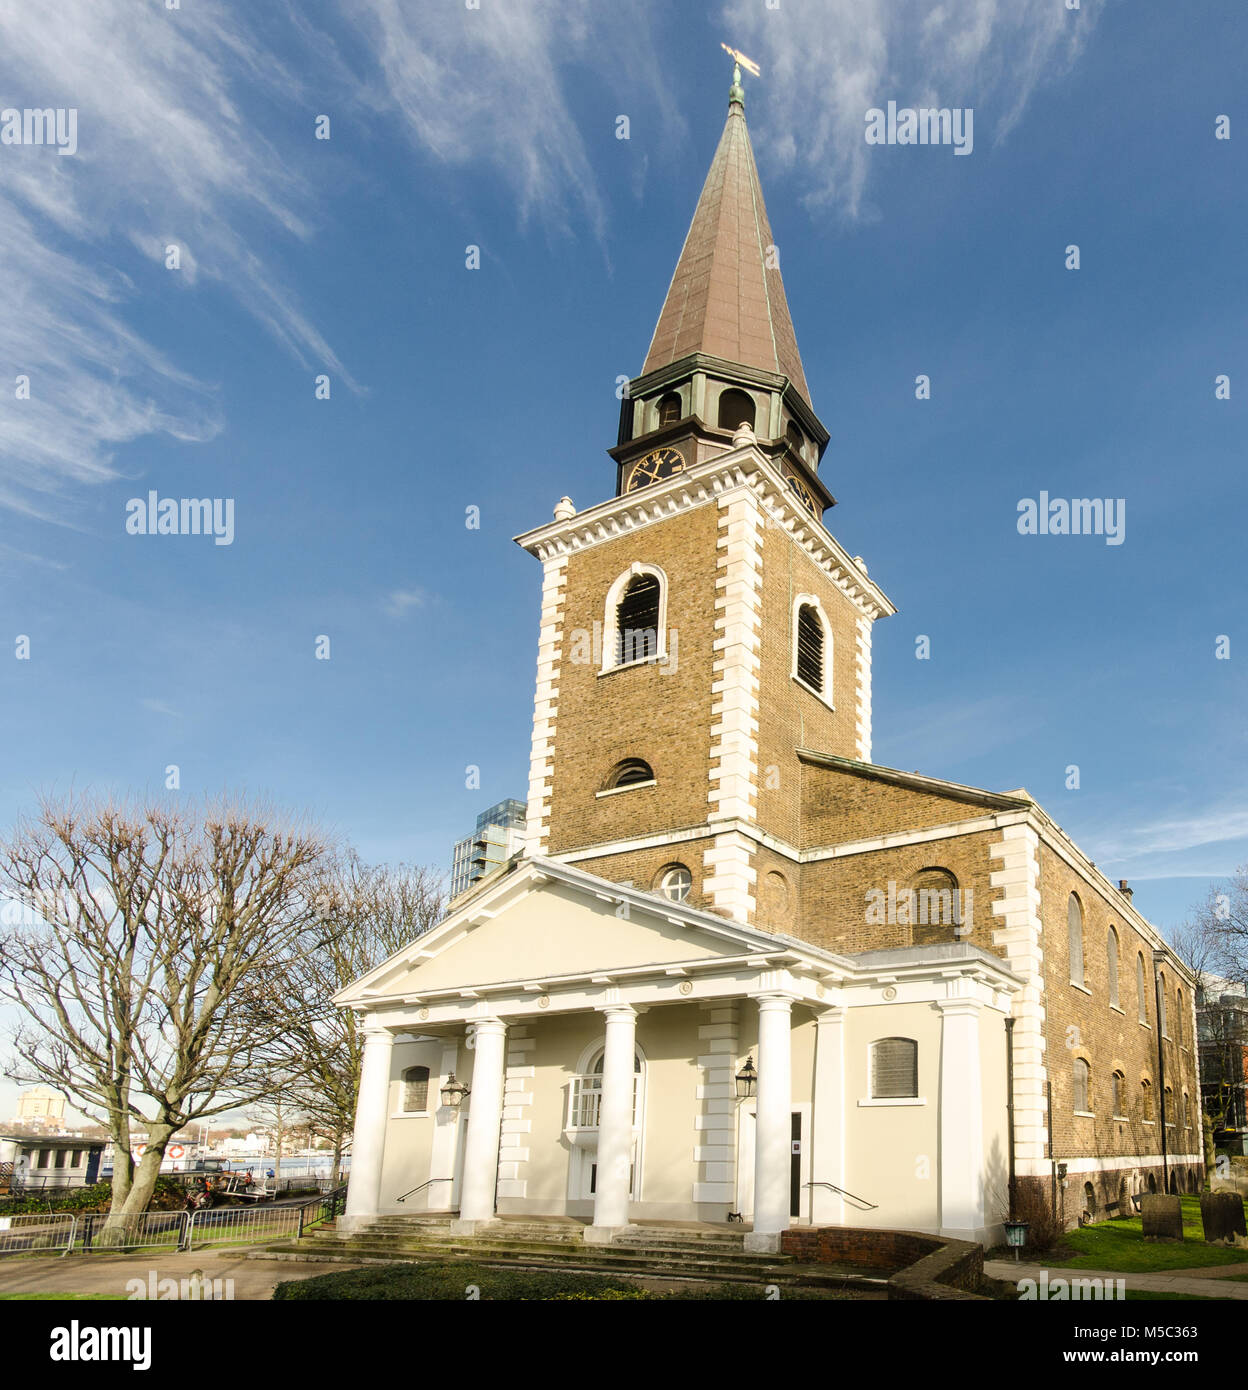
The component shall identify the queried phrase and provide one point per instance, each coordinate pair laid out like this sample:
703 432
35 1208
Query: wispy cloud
1221 825
160 707
827 62
167 153
489 87
400 602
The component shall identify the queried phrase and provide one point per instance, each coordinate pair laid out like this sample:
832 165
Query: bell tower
700 627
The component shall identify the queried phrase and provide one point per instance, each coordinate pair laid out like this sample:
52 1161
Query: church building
739 970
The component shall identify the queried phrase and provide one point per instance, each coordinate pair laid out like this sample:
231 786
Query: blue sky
495 388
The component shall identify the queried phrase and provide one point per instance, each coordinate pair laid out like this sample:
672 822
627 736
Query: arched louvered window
1162 1021
415 1090
894 1069
637 620
810 645
937 909
1119 1094
1081 1079
1146 1100
1111 965
1074 929
1140 994
1178 1015
629 773
670 409
735 408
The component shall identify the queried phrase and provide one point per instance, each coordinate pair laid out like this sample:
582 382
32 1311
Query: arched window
1082 1080
1162 1021
675 882
1074 930
812 646
1168 1098
1146 1100
1186 1118
1119 1096
630 773
1178 1015
1111 960
415 1090
637 621
1089 1200
937 909
735 408
635 618
1140 994
894 1069
1152 1182
670 409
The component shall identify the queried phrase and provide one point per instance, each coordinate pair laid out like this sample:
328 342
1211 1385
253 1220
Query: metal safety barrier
38 1233
149 1230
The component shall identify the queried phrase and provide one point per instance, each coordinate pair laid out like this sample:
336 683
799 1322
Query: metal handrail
865 1205
421 1188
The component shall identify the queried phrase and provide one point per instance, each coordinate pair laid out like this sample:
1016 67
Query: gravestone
1222 1214
1163 1217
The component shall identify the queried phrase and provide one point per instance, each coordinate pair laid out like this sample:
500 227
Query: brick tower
701 626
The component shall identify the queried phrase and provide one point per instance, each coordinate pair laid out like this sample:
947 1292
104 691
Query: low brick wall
925 1267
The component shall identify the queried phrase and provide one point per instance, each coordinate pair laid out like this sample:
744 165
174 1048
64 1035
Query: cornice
746 467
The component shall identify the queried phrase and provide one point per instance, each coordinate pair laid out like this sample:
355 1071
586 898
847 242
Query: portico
606 1090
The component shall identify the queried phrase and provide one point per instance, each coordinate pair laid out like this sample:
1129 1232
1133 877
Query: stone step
591 1259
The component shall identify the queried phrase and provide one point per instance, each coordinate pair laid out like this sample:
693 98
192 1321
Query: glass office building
498 835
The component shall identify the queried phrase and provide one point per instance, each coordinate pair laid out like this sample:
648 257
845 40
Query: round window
675 883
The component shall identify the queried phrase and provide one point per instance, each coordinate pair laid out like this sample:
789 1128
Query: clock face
662 463
803 492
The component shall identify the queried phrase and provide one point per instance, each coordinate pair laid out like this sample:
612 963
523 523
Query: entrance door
799 1167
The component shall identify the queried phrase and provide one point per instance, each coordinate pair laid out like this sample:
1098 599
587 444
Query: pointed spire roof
724 300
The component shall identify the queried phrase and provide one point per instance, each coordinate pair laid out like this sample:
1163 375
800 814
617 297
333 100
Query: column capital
487 1027
375 1032
960 1007
611 1011
775 999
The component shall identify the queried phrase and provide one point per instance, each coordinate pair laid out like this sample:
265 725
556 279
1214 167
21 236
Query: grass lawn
1120 1246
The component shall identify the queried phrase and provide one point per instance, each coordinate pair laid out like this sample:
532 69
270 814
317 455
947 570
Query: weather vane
741 60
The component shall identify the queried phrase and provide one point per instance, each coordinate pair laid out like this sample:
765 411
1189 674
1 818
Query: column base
346 1226
472 1228
763 1242
603 1235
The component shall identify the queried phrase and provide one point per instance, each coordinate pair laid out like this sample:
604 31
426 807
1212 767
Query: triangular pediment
549 921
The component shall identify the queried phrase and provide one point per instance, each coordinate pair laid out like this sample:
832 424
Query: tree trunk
1211 1156
122 1216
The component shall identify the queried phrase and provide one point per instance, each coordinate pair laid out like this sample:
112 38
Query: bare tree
367 913
147 929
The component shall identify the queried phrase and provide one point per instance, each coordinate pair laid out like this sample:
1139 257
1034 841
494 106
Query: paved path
253 1279
1203 1282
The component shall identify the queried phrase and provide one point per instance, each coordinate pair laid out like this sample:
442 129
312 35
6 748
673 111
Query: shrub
1032 1205
168 1196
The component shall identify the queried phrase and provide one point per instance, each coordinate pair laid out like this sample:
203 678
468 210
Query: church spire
726 298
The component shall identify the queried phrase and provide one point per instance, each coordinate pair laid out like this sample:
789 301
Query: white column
828 1160
615 1124
368 1147
961 1121
485 1115
773 1132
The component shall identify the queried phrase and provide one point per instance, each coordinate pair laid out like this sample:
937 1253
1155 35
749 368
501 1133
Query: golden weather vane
741 60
